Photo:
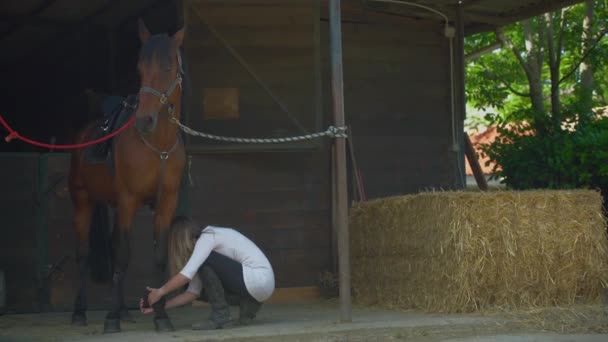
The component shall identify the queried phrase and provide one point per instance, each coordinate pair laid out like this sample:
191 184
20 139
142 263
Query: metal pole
337 86
460 93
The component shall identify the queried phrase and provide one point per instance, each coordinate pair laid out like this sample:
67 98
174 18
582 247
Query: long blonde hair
183 234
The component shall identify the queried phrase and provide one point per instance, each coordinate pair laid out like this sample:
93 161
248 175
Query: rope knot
12 135
337 132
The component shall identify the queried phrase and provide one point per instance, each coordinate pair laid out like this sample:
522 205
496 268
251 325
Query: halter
164 97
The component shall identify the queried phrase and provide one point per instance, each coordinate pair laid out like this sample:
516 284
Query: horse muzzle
146 124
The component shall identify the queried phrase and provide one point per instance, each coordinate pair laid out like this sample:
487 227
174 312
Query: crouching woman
221 266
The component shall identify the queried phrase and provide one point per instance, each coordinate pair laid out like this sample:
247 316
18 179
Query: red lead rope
14 135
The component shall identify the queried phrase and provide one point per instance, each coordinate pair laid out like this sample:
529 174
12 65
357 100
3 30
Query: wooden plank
248 15
414 35
292 83
246 37
406 106
276 239
258 171
399 124
252 220
18 245
282 295
416 74
294 294
297 267
217 201
403 55
278 56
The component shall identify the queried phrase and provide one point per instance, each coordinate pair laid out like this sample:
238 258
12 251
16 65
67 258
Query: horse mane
157 46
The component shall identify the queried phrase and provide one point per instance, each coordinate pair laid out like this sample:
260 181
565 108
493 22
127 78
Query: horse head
160 72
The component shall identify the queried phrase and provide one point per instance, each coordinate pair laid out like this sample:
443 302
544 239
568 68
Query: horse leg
127 206
124 313
82 218
162 220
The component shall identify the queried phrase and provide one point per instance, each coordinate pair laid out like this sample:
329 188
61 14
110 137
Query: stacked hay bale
466 251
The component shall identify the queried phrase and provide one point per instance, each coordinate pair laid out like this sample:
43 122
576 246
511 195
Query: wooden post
41 235
357 179
341 204
474 163
334 214
459 93
111 59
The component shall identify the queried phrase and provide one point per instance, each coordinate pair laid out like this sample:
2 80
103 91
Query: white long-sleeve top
257 271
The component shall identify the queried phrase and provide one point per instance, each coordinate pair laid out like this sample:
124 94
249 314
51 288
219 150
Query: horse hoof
111 325
79 319
163 325
126 316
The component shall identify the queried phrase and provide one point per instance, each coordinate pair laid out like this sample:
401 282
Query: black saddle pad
116 118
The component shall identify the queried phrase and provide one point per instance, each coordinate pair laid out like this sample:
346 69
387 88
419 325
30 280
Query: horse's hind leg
83 209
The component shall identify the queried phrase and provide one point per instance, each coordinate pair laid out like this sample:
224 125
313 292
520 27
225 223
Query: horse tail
100 248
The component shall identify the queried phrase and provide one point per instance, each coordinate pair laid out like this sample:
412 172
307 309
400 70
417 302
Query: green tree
544 79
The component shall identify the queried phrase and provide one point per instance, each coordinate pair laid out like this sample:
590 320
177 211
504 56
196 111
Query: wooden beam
486 49
505 18
472 29
337 83
79 27
469 3
70 31
486 18
459 99
37 21
535 10
143 11
34 12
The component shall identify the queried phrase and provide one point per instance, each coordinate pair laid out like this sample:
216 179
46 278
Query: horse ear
144 34
179 36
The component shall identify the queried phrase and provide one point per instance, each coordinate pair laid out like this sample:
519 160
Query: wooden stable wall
396 91
278 195
279 200
396 78
20 245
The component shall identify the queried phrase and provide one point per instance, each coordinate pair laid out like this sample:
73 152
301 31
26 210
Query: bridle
164 99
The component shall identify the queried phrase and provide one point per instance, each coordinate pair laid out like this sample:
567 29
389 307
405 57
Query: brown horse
148 160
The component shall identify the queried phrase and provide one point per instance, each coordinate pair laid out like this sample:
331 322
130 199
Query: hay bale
466 251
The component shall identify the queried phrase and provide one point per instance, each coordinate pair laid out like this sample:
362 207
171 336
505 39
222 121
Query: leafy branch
585 55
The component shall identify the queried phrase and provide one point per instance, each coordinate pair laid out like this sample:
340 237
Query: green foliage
536 150
498 80
560 158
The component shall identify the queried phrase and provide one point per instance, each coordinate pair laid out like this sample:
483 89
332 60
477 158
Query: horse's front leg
82 219
162 220
121 253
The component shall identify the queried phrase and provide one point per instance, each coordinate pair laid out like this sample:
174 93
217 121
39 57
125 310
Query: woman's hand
155 295
145 310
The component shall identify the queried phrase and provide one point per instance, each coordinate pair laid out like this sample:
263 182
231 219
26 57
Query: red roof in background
484 137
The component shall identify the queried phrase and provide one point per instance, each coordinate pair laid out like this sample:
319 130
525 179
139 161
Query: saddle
117 111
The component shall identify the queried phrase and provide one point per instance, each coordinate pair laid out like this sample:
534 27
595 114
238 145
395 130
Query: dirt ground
319 321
